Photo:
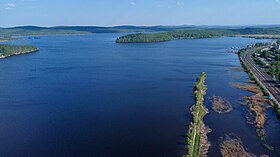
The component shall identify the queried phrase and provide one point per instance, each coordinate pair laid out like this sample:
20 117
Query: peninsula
12 50
197 143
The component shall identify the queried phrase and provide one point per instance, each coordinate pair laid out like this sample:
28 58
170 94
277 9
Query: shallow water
86 96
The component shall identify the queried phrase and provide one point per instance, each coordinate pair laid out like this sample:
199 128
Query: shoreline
19 53
256 80
259 36
192 38
41 35
9 39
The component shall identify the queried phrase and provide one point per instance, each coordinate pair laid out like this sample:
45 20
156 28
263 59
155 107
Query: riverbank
197 142
2 40
5 39
260 36
258 104
269 88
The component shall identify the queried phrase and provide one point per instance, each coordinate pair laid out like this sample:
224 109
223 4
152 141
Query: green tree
265 54
9 50
277 57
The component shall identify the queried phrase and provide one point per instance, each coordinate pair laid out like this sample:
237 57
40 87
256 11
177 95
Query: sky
138 12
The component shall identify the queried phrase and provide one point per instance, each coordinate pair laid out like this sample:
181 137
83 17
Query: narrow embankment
196 146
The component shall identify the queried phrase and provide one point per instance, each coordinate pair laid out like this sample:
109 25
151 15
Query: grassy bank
198 112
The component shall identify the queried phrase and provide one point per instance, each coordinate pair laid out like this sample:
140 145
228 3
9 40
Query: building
276 46
265 49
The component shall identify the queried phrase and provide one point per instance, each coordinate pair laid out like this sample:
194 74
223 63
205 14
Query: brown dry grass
259 113
256 103
204 142
236 76
232 146
249 87
236 69
220 105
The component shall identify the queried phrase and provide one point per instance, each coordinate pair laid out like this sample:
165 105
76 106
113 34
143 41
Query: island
172 35
272 33
12 50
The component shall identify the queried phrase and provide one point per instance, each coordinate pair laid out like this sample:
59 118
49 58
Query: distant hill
119 29
268 30
9 33
35 30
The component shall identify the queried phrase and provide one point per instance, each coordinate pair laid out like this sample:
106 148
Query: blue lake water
86 96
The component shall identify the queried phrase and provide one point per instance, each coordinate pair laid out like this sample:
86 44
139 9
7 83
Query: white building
265 49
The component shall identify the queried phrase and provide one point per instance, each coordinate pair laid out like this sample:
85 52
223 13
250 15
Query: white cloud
180 3
10 6
132 3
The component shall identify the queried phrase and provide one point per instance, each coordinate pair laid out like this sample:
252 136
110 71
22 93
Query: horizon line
131 25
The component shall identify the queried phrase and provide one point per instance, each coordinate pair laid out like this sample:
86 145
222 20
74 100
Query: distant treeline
258 31
10 50
8 33
34 30
194 34
164 33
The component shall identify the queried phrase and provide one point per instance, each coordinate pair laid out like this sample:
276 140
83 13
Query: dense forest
249 31
173 35
10 50
195 34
